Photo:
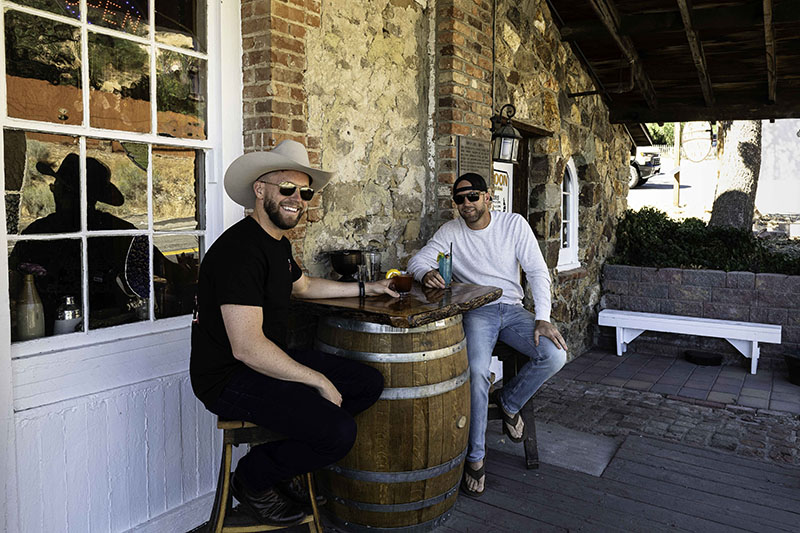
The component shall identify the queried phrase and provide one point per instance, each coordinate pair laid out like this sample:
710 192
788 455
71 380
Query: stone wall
366 81
744 296
534 71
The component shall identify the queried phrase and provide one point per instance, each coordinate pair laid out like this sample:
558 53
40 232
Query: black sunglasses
472 197
287 188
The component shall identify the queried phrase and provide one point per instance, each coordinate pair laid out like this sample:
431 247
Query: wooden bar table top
416 308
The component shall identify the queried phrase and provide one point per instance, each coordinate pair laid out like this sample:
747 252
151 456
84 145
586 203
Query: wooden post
676 187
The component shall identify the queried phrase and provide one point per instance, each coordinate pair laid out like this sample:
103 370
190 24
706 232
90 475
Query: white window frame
212 147
568 256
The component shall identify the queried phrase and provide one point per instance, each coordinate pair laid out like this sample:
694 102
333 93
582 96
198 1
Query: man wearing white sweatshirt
488 249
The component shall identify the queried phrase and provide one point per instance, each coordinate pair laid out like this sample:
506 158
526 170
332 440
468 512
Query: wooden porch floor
649 485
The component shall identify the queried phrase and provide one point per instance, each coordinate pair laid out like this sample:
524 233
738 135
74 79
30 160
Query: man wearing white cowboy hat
240 366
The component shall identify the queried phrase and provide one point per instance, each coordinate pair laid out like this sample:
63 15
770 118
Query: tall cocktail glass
446 269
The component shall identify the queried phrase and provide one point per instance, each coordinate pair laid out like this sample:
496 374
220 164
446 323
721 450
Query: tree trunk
735 197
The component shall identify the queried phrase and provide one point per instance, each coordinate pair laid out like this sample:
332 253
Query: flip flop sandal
475 475
508 421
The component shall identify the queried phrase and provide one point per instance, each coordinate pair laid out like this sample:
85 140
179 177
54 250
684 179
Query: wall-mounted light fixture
505 137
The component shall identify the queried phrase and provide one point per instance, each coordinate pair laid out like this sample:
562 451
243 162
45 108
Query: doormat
560 446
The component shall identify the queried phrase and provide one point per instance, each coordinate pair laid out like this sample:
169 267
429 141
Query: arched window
568 253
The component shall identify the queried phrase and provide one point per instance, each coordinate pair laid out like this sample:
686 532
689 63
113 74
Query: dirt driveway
698 181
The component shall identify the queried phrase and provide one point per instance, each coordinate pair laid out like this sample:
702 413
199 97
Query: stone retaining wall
745 296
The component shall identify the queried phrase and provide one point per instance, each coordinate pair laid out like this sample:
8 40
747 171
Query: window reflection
67 8
181 95
175 281
181 23
178 188
120 84
60 276
43 69
30 194
129 16
119 290
127 165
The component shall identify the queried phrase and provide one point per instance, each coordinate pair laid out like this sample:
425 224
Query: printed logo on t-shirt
195 312
290 265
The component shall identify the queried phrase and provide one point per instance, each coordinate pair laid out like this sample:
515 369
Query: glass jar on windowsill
68 316
30 311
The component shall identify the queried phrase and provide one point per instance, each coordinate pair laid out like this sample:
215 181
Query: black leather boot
296 489
269 507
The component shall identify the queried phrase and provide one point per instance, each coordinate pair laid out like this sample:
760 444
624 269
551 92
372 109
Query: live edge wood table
404 470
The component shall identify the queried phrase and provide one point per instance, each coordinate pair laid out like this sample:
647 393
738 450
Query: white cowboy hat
247 168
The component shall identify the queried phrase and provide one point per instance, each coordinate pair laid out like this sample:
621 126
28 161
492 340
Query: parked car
645 164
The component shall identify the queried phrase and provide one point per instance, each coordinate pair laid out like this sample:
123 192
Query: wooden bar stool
512 361
236 432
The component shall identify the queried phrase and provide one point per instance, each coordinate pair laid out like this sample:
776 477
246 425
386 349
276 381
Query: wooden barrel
404 470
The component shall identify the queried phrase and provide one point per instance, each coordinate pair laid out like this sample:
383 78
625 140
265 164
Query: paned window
568 253
105 141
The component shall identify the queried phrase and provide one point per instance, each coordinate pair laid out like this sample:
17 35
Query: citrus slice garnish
392 273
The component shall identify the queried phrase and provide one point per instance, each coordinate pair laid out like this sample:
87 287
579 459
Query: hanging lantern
505 137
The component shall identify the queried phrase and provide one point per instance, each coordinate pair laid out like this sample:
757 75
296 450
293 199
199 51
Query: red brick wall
463 84
274 36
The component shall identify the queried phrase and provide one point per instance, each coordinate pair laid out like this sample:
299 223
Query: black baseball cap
469 182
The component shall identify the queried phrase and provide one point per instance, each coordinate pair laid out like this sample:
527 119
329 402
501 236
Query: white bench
744 336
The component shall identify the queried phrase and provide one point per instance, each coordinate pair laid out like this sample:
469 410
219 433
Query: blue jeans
513 325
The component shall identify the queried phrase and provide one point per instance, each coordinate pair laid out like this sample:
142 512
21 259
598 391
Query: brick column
463 86
274 96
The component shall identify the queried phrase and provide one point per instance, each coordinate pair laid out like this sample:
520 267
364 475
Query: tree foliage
662 134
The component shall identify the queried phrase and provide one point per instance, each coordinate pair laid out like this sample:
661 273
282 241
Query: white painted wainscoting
117 459
110 437
114 460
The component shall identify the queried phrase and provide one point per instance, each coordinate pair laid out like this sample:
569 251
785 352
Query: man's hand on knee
329 391
547 329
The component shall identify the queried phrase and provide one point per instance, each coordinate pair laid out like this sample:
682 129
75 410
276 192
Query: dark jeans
317 432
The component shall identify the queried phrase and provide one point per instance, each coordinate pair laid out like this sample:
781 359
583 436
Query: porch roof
683 60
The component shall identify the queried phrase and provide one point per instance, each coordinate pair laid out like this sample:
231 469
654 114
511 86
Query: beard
280 218
473 214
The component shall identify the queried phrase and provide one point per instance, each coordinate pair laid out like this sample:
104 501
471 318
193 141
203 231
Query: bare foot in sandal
474 478
513 425
517 431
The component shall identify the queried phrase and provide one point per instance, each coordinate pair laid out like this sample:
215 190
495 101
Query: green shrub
648 237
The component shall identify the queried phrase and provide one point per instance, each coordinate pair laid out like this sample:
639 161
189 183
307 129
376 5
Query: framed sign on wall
502 187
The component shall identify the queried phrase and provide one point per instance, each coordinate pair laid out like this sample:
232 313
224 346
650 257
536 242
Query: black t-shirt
244 266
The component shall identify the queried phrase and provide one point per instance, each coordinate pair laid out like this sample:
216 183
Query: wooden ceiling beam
696 47
608 14
772 61
704 18
688 112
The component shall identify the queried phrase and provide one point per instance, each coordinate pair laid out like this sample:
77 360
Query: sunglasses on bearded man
472 197
287 188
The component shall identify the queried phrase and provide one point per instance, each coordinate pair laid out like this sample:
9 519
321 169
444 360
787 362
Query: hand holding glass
446 268
402 282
